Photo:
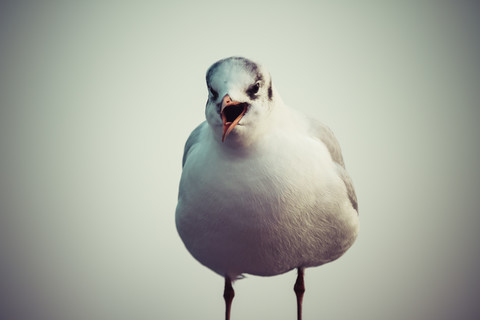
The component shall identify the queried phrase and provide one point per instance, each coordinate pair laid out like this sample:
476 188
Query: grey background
97 99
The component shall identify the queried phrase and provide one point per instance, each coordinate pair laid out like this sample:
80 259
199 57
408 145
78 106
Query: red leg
299 289
228 295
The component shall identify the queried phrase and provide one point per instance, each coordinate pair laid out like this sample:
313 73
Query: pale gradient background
97 99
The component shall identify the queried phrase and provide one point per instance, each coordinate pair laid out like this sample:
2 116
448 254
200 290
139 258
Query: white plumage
274 195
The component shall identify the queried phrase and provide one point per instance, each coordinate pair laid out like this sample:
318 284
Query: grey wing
192 140
322 132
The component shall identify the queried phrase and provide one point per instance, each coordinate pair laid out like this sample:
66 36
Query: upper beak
231 115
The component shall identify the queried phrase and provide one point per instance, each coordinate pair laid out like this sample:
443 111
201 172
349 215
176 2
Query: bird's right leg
228 295
299 289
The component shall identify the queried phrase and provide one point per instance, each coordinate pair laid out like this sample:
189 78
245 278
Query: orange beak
232 112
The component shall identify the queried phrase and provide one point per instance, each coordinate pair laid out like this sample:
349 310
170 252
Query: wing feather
192 140
322 132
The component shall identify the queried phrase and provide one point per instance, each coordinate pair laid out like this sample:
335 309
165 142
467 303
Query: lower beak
232 112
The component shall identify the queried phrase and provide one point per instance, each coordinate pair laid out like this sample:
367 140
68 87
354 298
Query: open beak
232 112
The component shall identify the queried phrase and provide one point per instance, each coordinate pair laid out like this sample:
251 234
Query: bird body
265 209
269 195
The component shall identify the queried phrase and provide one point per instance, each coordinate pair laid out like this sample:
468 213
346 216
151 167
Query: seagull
264 188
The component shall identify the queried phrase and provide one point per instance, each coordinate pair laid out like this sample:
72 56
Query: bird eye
253 90
213 93
256 87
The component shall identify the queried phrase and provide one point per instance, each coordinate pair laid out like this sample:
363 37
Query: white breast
278 207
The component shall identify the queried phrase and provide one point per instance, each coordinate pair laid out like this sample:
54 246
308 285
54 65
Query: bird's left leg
299 289
228 295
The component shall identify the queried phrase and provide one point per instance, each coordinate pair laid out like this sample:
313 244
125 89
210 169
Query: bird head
240 98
